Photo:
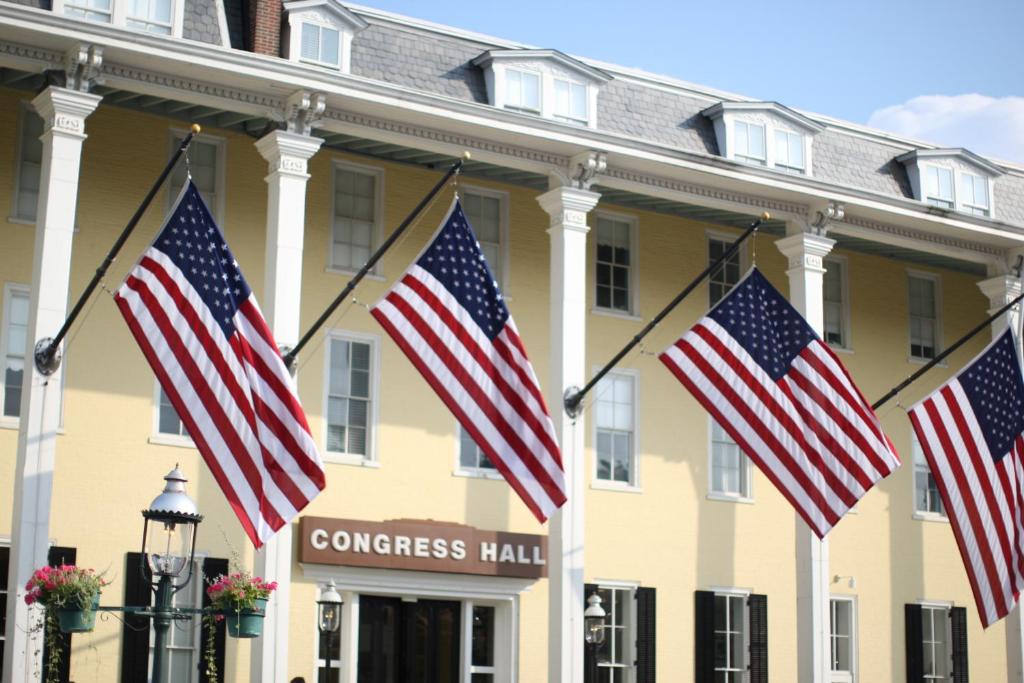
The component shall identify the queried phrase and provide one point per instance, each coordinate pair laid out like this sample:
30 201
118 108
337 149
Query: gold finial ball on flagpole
466 156
766 216
196 129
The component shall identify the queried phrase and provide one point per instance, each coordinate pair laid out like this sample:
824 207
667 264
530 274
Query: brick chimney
264 30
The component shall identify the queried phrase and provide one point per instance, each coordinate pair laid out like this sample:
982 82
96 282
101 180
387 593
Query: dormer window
162 17
952 179
318 32
764 134
543 82
151 16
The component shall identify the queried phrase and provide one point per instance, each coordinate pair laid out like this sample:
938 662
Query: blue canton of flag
970 430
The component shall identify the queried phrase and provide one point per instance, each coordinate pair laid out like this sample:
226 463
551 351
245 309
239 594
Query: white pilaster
64 112
568 208
999 291
805 253
286 154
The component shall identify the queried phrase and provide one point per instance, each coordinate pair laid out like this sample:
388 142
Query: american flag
448 316
972 433
201 330
756 365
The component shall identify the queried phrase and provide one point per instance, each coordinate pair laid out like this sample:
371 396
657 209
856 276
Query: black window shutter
704 637
915 643
758 608
645 635
57 556
5 557
135 633
212 568
588 588
958 624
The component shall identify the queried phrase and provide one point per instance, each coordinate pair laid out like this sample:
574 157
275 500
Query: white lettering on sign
318 539
488 552
440 549
341 541
382 544
458 549
537 559
509 553
421 546
362 544
402 545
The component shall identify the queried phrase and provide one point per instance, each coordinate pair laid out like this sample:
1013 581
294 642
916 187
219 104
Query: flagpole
573 399
939 358
289 358
46 357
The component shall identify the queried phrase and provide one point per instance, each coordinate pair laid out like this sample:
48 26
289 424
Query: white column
286 154
568 208
806 281
64 112
999 291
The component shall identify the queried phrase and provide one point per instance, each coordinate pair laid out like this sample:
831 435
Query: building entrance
408 642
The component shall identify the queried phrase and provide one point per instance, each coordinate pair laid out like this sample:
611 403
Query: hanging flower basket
247 623
76 619
241 599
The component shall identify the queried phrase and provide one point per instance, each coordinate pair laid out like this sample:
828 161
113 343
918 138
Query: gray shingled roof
201 23
441 64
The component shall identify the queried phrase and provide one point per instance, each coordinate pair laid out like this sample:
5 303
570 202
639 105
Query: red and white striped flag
447 315
199 327
756 365
972 433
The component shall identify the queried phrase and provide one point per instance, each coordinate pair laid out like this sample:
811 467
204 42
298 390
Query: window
356 216
614 264
471 457
974 194
835 303
522 89
628 652
320 44
184 645
481 664
730 468
789 151
750 145
614 418
485 213
731 639
13 344
927 501
152 16
842 635
204 163
725 276
924 316
92 10
30 160
167 420
938 184
570 101
348 397
936 643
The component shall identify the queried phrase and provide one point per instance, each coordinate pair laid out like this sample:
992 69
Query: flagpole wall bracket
572 401
47 357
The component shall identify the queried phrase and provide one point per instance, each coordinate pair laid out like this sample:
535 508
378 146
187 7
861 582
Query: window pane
483 636
329 46
613 413
348 399
579 102
531 91
310 41
613 263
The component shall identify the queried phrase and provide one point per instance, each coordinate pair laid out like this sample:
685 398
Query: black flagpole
289 358
938 359
573 397
46 357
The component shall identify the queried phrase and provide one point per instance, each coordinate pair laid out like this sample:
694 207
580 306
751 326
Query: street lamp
330 603
593 630
168 547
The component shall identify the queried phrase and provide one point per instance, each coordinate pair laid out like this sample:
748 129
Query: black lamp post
168 548
593 630
330 603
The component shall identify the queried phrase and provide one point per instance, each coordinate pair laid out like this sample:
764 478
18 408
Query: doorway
408 641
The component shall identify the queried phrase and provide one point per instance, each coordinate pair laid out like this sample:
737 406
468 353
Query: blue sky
943 71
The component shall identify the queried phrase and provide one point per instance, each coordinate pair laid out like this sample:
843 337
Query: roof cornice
959 153
560 58
717 110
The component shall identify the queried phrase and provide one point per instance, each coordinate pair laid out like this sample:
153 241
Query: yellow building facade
668 502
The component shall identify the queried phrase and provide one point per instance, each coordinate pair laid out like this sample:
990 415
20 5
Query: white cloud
992 126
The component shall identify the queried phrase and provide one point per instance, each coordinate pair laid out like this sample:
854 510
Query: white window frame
568 117
166 438
775 155
10 289
926 197
373 414
24 111
724 237
845 676
939 346
502 593
844 285
461 470
725 132
947 607
377 232
633 485
630 625
119 16
960 205
540 89
196 625
744 594
746 158
321 26
634 270
220 176
744 497
503 231
916 464
963 205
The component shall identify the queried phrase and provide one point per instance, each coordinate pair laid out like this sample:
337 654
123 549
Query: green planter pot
247 623
78 620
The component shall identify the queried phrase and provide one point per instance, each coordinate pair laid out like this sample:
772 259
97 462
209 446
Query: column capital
582 170
805 251
303 110
1001 290
288 152
568 207
64 110
83 67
